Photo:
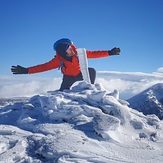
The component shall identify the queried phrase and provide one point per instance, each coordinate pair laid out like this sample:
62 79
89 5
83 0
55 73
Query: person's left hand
114 51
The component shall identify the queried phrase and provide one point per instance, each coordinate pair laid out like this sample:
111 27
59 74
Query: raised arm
103 53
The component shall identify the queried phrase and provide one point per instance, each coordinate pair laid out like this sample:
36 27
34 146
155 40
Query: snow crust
86 124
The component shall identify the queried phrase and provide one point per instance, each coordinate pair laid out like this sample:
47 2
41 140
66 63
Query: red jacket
69 68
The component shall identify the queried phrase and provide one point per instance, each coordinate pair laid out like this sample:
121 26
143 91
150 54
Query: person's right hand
19 70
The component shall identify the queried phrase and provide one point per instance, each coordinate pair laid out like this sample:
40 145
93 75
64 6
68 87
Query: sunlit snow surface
84 124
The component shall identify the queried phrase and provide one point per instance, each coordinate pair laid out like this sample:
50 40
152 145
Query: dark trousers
68 81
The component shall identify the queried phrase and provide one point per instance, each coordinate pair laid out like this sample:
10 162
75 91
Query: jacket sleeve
54 63
97 54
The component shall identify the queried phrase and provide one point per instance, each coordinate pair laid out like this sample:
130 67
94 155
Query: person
66 59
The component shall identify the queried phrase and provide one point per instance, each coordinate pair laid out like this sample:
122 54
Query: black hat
61 50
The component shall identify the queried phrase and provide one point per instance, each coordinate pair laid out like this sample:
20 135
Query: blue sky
30 27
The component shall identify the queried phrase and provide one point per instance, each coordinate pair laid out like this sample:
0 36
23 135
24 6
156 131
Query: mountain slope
84 124
149 101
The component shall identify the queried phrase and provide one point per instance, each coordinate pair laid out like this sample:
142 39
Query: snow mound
84 124
150 101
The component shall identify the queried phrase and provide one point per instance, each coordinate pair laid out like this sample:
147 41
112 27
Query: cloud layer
127 83
25 86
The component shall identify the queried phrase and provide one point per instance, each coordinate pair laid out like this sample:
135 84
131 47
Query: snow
83 61
87 124
150 101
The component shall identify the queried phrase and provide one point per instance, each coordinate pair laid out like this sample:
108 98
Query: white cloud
127 83
160 69
26 86
159 72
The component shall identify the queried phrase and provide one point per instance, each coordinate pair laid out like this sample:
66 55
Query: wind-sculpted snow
84 124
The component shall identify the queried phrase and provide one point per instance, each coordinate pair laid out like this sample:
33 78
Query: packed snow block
153 120
123 102
28 106
113 107
96 96
110 100
81 86
66 113
137 124
103 123
35 101
115 94
13 144
83 63
153 136
11 113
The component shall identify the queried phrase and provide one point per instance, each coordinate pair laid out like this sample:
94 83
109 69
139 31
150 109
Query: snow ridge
150 101
84 124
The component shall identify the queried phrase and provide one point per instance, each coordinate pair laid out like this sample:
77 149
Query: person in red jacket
66 58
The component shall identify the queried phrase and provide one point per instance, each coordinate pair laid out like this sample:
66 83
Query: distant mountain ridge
150 101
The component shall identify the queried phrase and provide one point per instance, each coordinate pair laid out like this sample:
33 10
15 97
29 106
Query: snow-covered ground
86 124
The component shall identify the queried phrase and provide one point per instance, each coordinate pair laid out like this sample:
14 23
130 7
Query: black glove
19 70
114 51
